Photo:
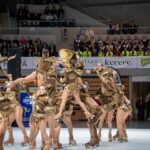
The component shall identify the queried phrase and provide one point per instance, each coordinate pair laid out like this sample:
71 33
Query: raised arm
27 79
5 59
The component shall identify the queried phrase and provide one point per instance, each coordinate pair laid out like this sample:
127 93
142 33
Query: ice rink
139 139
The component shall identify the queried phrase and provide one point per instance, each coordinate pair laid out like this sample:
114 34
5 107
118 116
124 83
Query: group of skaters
51 105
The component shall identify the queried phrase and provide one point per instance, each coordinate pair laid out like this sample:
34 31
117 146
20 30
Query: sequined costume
123 103
108 89
72 69
8 103
43 104
4 106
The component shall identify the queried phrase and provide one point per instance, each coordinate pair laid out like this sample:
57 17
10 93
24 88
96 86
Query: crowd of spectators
125 28
112 47
53 15
85 47
27 46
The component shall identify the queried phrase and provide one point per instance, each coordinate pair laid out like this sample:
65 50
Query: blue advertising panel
25 101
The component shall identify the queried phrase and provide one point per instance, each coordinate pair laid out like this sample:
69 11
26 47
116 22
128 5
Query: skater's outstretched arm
5 59
27 79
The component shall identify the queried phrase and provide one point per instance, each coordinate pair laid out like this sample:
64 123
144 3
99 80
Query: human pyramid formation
50 104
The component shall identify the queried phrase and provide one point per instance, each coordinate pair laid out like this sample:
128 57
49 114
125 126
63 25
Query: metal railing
48 29
48 23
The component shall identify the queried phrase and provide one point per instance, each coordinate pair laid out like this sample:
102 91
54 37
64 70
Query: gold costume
71 73
107 90
45 104
8 103
123 102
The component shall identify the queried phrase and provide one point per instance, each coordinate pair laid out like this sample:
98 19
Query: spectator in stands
125 28
20 13
93 50
54 12
25 13
30 52
110 29
145 41
47 10
116 51
117 28
8 41
148 44
92 39
132 28
15 40
147 52
25 48
125 52
36 52
86 52
133 52
86 42
44 45
38 43
4 48
60 12
140 52
52 49
101 49
23 41
77 42
28 46
101 53
80 53
109 52
50 17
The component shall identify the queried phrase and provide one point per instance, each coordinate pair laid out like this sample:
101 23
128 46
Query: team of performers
51 105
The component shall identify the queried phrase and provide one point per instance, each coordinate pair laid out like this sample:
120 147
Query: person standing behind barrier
140 105
148 106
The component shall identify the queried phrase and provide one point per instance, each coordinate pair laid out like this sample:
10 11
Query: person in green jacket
133 52
36 52
80 53
140 52
87 53
100 53
147 53
109 53
125 52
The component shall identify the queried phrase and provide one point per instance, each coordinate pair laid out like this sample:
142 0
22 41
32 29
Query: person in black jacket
140 105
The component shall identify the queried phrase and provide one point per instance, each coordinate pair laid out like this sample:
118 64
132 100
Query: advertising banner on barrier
90 62
143 62
116 62
25 101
